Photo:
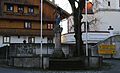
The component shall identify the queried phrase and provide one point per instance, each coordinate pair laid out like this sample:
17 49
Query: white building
107 13
103 23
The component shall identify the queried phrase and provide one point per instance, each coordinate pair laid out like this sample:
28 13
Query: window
31 39
88 27
9 7
50 43
119 3
6 39
27 24
31 10
50 26
21 9
108 3
49 40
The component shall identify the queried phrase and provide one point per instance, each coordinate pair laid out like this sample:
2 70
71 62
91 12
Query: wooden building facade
20 22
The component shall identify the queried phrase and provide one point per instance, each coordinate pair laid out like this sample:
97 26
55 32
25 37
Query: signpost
107 49
41 18
86 27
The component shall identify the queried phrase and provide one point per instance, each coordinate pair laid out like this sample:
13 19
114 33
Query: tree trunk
78 34
77 14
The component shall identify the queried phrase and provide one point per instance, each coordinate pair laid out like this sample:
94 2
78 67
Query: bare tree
77 14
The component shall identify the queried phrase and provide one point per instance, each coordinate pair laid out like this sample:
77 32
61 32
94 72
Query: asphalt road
115 68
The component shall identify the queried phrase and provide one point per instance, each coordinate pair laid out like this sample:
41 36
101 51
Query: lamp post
41 18
86 27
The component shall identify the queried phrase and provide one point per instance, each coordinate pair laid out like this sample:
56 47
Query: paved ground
115 68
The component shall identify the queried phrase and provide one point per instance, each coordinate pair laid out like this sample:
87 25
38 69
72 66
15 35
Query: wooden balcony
25 32
19 16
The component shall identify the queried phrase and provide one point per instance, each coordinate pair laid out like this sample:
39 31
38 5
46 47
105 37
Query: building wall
20 39
93 37
15 39
107 15
114 4
11 24
106 19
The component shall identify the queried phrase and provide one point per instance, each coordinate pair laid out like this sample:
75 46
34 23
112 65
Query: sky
64 4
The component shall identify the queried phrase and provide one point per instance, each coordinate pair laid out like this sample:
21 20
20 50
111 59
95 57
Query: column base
58 54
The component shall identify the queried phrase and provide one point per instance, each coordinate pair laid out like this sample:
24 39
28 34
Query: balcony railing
25 32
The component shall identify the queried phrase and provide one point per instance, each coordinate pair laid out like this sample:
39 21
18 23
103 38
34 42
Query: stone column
58 53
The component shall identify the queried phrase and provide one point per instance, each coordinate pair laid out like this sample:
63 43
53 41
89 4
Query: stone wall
94 61
25 62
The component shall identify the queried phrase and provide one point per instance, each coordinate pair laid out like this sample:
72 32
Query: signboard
106 49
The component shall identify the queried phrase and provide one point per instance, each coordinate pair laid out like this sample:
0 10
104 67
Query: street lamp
41 19
86 27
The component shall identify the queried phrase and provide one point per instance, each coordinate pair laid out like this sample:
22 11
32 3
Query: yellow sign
106 49
107 46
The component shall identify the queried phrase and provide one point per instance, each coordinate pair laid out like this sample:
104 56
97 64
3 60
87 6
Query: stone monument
58 53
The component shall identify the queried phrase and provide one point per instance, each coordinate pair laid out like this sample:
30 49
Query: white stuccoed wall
114 4
107 15
93 37
15 39
106 19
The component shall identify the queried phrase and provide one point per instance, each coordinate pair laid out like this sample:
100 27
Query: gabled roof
46 17
65 13
50 9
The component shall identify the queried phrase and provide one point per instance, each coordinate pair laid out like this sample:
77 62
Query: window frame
20 9
88 26
50 26
49 40
9 7
27 25
29 9
31 39
6 39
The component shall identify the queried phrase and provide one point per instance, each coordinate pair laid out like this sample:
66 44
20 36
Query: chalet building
20 25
